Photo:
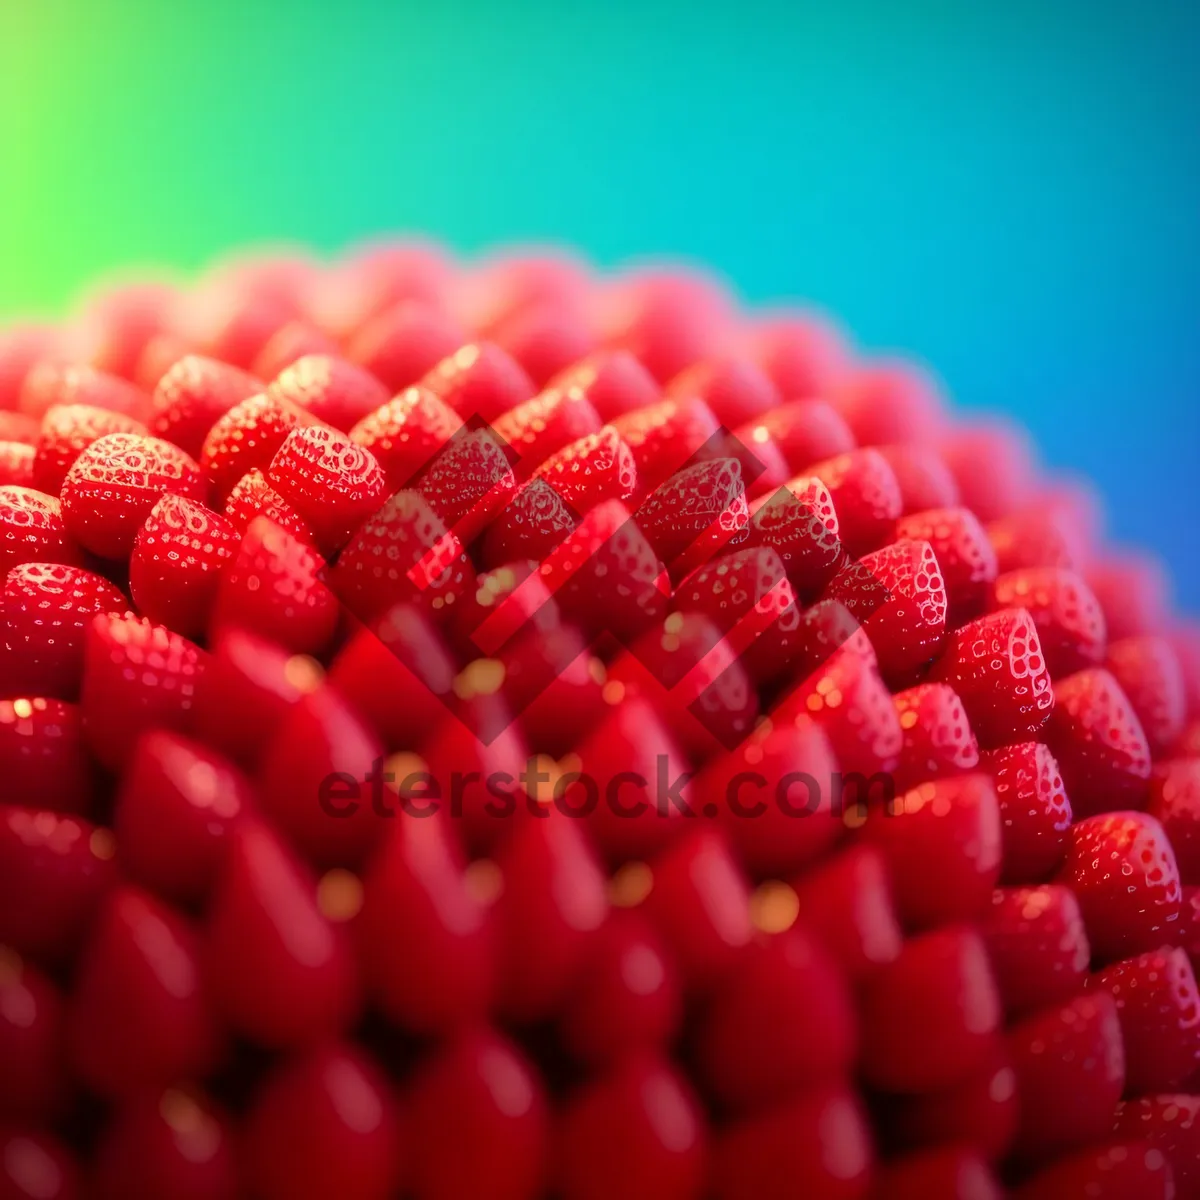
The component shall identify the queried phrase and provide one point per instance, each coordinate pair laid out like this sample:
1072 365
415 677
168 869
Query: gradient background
1010 190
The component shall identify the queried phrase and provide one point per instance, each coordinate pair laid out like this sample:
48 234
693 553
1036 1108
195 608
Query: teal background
1009 190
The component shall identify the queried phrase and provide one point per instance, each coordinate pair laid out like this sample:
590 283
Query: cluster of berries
307 567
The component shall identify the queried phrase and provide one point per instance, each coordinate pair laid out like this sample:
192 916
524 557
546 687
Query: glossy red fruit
699 903
820 1136
324 1123
846 903
54 871
667 436
177 560
552 904
1151 676
118 322
948 829
995 665
52 383
805 431
290 343
638 1132
606 575
545 424
1069 621
776 796
36 1166
1171 1124
21 347
137 676
1098 742
33 1087
1133 590
931 1017
246 438
277 969
245 692
333 391
963 553
16 465
516 280
193 395
954 1174
18 427
478 1090
46 611
159 355
469 483
113 485
1070 1067
545 339
866 497
535 521
379 275
736 389
1123 871
252 496
403 342
627 1000
480 381
274 587
138 1016
799 523
1038 536
434 972
595 468
43 755
926 483
1175 803
889 400
32 530
613 382
175 809
1117 1171
1159 1010
1009 478
782 1021
407 433
697 514
1035 811
937 735
1038 946
166 1145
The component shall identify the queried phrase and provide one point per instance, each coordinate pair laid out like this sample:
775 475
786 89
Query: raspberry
424 725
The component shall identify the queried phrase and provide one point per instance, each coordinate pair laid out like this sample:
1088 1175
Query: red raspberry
50 384
246 438
252 496
937 735
1035 813
995 665
800 524
136 676
950 827
16 465
666 436
1171 1124
962 551
67 430
1175 803
1070 1067
1149 673
406 434
1099 744
1120 1171
595 468
403 342
1069 622
116 481
193 395
177 561
1037 945
46 608
925 480
1123 872
32 530
1159 1010
34 1085
331 390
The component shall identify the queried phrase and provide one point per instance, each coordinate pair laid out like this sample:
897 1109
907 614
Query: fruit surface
489 730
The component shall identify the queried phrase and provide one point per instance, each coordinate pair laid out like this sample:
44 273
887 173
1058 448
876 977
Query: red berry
32 530
1123 871
889 401
113 485
43 756
546 340
16 465
545 424
54 870
136 676
323 1124
950 1174
802 352
193 395
1037 537
1119 1171
1007 480
21 347
407 433
50 383
1132 590
1159 1010
593 469
866 497
1038 946
1171 1124
174 812
798 522
1035 812
937 735
1069 622
613 382
1175 803
36 1166
177 561
963 553
535 521
469 483
805 431
47 607
636 1132
736 389
995 665
252 496
138 1016
66 431
287 345
666 436
401 343
33 1087
246 438
1149 673
1099 744
926 483
379 275
479 381
277 969
18 427
931 1017
331 390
